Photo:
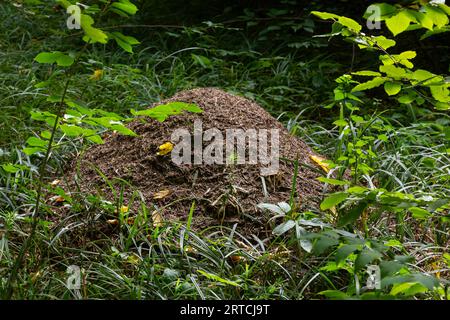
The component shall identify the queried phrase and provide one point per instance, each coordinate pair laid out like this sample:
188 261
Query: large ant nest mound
223 193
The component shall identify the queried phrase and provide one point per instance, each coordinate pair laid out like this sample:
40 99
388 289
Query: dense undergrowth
394 213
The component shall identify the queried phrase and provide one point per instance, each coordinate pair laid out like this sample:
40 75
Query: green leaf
439 17
95 139
367 73
353 214
440 93
333 200
51 57
383 9
393 72
408 289
12 168
36 142
325 241
424 19
427 281
344 251
335 294
392 88
125 42
202 61
32 150
325 15
375 82
71 130
333 181
125 6
284 227
398 23
384 42
123 130
419 213
366 256
162 112
92 34
350 24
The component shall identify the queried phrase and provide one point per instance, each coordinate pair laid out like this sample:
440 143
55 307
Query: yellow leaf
165 148
97 75
161 194
321 162
157 219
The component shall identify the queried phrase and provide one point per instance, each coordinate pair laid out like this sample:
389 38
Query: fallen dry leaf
112 222
165 148
157 219
320 162
161 194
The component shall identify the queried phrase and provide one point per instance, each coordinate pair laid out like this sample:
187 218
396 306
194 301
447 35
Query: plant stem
36 216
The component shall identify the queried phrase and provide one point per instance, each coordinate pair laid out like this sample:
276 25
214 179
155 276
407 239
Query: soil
224 194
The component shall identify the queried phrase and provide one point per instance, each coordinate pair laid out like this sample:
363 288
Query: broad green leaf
424 19
71 130
325 15
393 72
11 168
92 34
123 130
398 23
366 256
375 82
419 213
344 251
340 123
95 139
125 42
353 214
408 289
33 150
305 244
125 6
384 42
284 227
367 73
335 294
324 242
407 98
333 200
350 23
201 60
392 88
440 93
438 16
162 112
36 142
383 9
425 77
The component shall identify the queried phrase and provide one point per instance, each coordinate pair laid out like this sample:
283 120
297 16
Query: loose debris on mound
224 194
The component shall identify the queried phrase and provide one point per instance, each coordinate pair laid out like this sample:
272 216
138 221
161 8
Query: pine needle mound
223 194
